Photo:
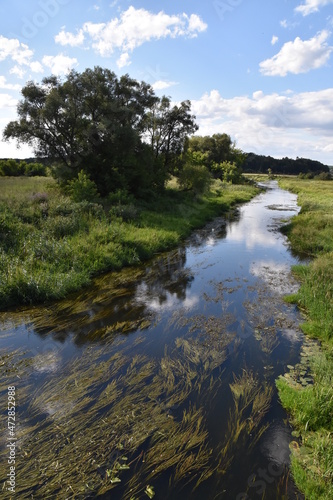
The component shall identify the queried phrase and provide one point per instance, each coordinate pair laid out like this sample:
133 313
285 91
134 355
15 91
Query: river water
161 379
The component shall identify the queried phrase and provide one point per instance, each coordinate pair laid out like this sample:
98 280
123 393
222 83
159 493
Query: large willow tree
99 123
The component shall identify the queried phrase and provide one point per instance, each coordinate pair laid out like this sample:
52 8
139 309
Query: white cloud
311 6
9 86
19 53
36 67
133 28
124 60
299 56
284 23
66 38
7 101
59 64
19 72
162 84
274 40
281 125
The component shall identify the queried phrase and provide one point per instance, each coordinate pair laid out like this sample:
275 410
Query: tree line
260 164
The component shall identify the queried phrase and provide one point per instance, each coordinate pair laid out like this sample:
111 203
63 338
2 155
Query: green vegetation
16 168
51 245
306 392
285 166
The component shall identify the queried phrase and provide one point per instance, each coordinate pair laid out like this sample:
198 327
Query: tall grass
51 246
311 406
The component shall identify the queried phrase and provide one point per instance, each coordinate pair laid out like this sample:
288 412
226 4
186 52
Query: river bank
306 391
51 246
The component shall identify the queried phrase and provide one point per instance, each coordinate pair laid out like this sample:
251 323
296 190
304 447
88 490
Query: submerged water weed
94 407
251 400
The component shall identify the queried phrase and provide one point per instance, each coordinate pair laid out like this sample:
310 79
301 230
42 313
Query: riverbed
159 381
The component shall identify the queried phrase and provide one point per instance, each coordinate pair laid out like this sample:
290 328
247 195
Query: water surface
161 378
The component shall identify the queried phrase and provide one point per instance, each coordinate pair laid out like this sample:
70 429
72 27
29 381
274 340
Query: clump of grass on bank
51 246
311 407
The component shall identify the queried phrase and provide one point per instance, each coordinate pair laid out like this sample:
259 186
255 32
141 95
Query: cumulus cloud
66 38
311 6
133 28
5 85
274 40
287 124
163 84
19 53
299 56
124 60
7 101
59 64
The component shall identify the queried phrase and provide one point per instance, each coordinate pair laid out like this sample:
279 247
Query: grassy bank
51 246
306 391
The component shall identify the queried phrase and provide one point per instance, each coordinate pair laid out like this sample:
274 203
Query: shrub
11 168
195 177
126 212
82 188
35 169
324 176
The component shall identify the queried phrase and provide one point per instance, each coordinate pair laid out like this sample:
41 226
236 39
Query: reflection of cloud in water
252 231
291 334
46 362
167 302
275 445
276 275
211 241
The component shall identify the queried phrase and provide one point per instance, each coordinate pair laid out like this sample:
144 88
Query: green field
51 246
311 404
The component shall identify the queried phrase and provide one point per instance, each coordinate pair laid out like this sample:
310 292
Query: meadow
51 245
309 399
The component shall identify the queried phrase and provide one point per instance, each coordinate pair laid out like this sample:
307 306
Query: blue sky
258 70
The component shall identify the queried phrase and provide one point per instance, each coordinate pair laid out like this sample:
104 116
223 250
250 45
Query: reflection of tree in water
167 277
119 302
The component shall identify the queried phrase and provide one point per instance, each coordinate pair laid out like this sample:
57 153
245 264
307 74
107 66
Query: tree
195 175
93 122
167 129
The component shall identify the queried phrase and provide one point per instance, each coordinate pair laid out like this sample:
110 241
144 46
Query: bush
126 212
35 169
324 176
11 168
195 177
82 188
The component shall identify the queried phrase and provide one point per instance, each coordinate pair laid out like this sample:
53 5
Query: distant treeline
15 168
260 164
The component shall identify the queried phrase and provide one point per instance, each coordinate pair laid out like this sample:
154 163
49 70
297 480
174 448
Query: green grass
51 246
311 407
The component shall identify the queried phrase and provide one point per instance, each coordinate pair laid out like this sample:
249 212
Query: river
161 379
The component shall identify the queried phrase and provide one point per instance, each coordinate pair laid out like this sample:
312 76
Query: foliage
15 168
82 188
195 177
51 245
227 172
98 123
260 164
216 149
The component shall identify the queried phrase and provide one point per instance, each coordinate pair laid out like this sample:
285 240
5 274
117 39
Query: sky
258 70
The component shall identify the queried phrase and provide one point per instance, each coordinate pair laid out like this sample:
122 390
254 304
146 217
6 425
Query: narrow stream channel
161 379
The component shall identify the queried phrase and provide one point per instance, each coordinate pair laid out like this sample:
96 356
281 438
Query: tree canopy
114 129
